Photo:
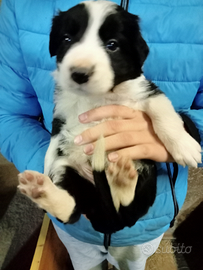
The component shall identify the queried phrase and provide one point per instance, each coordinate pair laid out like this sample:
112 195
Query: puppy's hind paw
122 178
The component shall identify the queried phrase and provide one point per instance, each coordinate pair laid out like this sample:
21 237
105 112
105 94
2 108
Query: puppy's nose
81 75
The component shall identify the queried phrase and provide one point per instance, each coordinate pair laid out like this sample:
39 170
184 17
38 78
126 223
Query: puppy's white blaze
89 53
98 12
98 158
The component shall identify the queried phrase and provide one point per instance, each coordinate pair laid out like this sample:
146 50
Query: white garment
86 256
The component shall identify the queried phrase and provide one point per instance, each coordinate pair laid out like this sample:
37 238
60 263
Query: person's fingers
108 111
109 128
154 152
121 140
129 134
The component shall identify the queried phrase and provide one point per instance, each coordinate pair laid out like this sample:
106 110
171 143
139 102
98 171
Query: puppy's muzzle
81 75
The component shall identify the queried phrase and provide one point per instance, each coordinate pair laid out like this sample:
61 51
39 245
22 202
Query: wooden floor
50 252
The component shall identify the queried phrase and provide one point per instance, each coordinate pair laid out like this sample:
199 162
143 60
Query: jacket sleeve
23 140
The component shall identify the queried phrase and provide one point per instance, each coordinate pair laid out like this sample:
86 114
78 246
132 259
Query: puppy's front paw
186 151
122 178
41 190
32 184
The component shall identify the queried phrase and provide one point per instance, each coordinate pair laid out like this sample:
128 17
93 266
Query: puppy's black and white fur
100 53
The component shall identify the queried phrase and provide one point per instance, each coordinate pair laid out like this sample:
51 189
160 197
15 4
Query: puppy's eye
67 38
112 45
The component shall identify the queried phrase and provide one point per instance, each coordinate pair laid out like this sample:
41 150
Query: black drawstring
107 240
124 4
172 180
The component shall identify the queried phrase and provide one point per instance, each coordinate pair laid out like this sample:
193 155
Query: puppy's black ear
55 38
132 30
142 49
140 43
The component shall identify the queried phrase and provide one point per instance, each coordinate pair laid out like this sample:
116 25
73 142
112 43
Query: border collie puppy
100 53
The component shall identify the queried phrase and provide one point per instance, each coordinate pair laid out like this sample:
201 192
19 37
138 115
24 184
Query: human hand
129 134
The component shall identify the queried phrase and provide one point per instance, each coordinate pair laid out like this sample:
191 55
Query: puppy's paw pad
31 184
122 178
122 172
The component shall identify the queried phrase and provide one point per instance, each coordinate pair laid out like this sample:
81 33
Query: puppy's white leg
41 190
169 127
122 178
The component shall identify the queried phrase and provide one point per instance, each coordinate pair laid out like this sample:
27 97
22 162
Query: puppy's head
98 45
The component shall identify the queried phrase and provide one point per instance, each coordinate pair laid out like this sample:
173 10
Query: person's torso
172 30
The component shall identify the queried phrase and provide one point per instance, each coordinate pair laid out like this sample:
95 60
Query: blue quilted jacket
173 30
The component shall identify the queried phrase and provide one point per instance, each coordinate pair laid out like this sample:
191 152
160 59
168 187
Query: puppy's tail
99 156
